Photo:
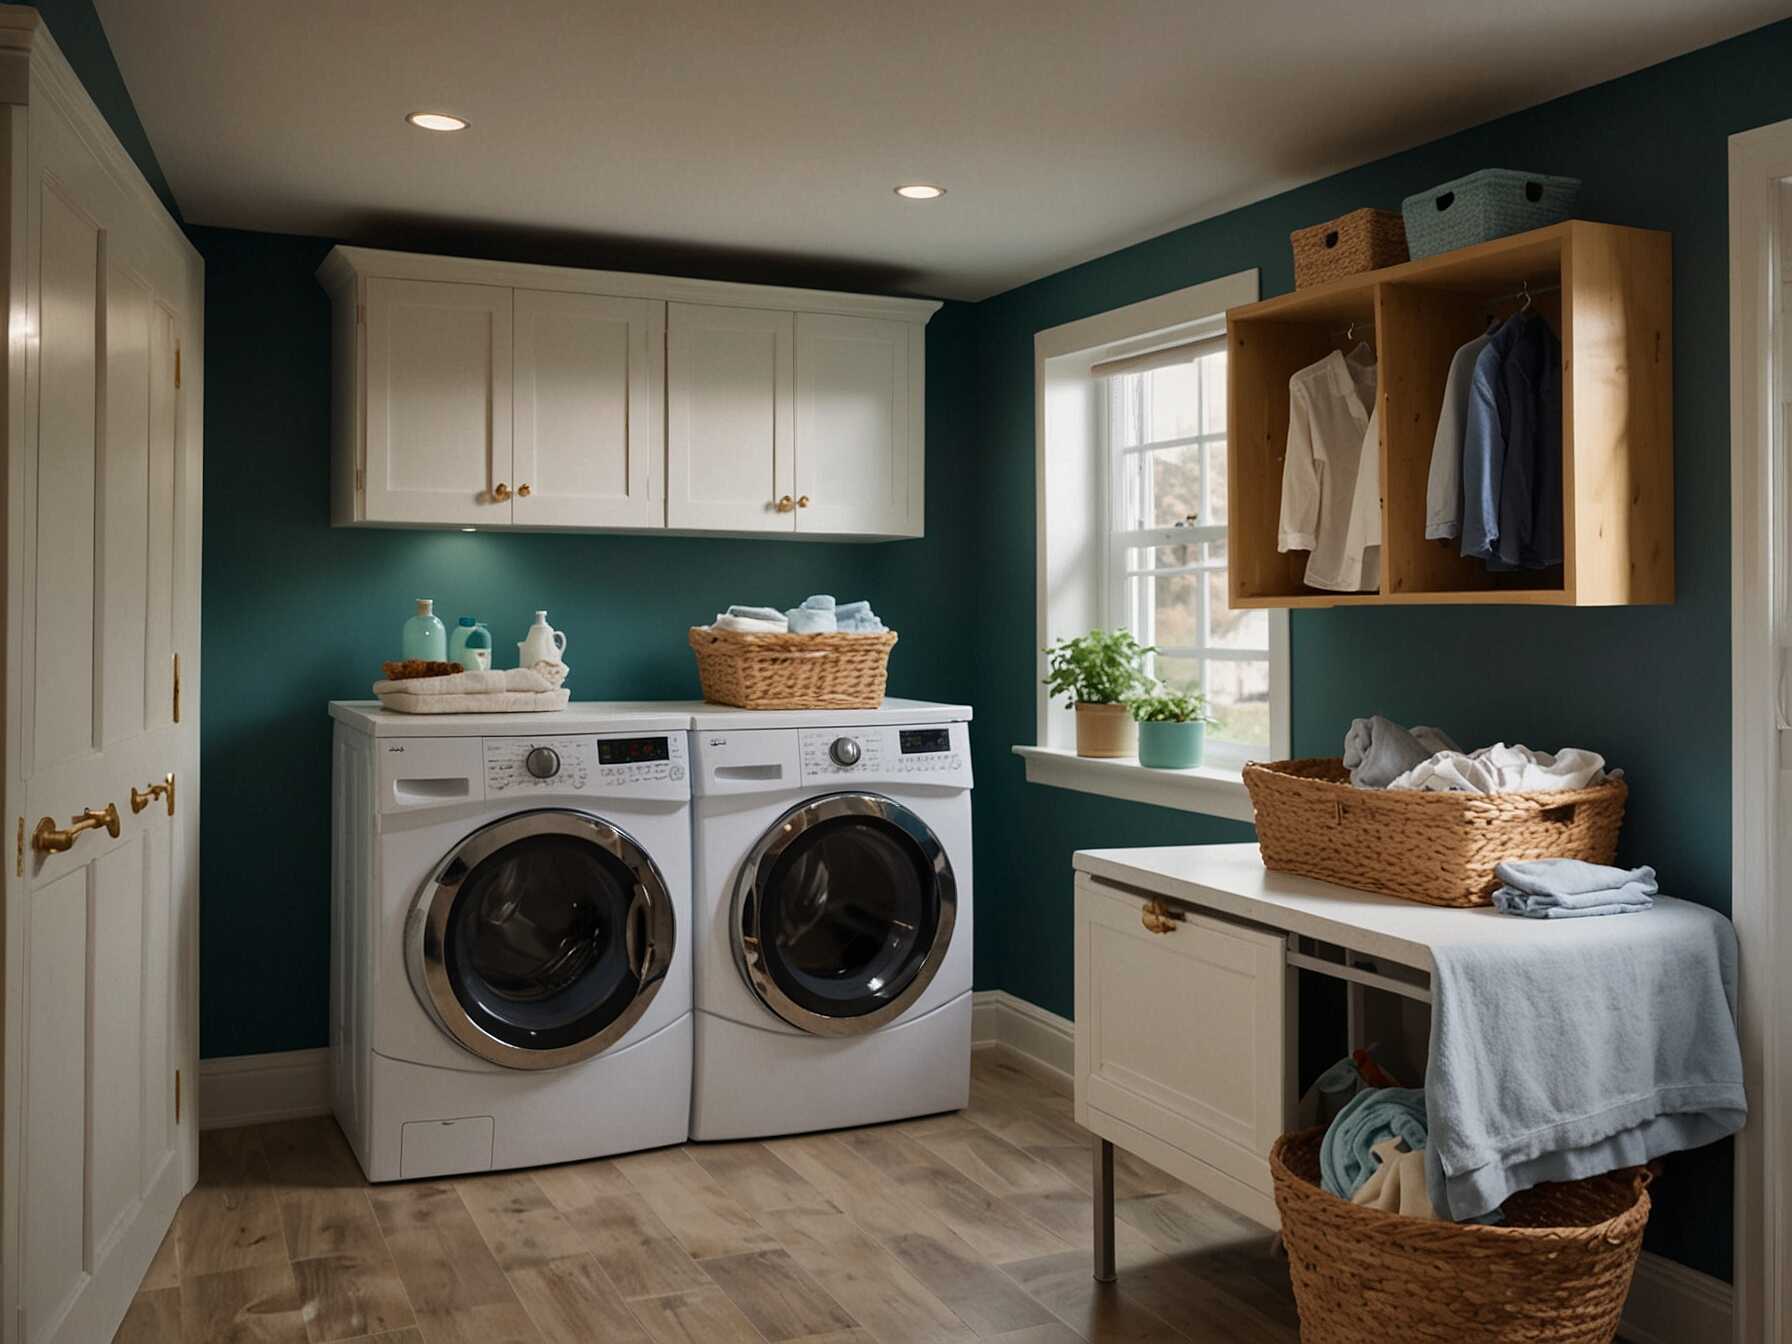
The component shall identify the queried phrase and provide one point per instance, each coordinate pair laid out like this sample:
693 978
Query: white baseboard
1669 1303
254 1089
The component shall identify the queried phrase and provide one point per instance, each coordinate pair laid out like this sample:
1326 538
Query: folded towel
1568 1049
819 602
757 613
1504 769
494 682
852 611
1398 1184
486 702
748 625
1377 750
860 625
1346 1155
1572 889
812 621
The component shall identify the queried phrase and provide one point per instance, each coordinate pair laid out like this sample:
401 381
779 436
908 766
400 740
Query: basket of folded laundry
820 655
1405 812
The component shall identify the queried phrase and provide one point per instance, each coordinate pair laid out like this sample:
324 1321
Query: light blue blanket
1566 1048
1346 1155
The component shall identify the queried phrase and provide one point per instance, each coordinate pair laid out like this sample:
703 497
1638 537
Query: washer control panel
651 765
925 754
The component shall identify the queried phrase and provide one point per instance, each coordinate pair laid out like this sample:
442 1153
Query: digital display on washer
633 750
916 741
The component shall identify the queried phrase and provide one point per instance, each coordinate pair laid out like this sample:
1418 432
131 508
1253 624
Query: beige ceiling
771 132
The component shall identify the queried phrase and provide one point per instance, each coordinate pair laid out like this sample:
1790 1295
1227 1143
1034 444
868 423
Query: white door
857 458
101 898
590 429
729 418
438 403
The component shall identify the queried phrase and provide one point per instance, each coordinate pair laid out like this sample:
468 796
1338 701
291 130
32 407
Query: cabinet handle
785 504
802 501
46 839
523 490
1158 917
142 798
500 492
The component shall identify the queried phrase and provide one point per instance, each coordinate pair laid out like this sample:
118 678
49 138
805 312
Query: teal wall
1648 686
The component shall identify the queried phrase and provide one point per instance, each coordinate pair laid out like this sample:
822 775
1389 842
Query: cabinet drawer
1183 1034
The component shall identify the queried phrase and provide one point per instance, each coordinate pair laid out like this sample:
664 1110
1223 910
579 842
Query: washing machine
510 957
831 917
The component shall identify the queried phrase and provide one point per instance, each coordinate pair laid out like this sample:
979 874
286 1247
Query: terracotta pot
1105 730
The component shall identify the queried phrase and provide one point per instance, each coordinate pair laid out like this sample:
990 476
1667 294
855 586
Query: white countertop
708 716
603 716
1231 880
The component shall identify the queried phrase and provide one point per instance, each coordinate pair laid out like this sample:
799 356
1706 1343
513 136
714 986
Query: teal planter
1171 746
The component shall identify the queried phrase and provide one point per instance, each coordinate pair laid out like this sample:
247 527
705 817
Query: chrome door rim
426 930
744 925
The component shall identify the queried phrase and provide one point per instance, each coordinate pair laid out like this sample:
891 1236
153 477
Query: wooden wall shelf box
1607 291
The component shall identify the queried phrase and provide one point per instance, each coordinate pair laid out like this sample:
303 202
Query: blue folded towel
756 613
1374 1116
1572 889
819 602
811 621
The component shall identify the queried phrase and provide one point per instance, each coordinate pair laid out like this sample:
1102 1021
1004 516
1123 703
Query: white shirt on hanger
1331 477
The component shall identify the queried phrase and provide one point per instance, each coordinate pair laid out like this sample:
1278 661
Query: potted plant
1172 728
1099 672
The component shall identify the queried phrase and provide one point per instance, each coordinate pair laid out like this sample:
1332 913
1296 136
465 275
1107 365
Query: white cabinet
730 418
1183 1025
496 394
858 402
589 437
438 403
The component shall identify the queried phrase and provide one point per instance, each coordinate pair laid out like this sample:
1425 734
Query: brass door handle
523 490
501 492
142 798
785 504
1158 917
46 839
802 501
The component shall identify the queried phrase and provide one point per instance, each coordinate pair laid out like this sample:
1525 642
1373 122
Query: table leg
1103 1153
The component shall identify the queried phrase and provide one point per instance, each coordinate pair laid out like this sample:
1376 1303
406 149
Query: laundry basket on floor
1557 1271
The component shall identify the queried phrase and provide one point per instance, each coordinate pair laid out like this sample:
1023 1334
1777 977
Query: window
1164 420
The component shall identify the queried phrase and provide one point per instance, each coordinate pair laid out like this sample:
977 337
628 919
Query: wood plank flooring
949 1230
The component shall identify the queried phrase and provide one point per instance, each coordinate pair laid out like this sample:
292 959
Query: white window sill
1215 791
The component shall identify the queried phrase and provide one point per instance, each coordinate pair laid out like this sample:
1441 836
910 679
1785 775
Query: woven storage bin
1439 848
792 671
1363 240
1489 204
1556 1271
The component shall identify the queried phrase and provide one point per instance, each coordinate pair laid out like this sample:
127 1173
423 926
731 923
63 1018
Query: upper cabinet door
590 432
438 370
858 418
729 418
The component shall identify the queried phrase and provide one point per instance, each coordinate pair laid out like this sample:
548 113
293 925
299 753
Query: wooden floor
955 1228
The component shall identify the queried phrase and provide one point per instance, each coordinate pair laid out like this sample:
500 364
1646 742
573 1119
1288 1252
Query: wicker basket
792 671
1363 240
1483 206
1556 1271
1439 848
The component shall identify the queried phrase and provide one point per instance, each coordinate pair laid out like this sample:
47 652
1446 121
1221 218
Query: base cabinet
1183 1041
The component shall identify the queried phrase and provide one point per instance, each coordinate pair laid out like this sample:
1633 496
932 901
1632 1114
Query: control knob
845 751
542 762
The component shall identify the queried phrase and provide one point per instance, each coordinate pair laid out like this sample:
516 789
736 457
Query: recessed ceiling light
437 121
920 191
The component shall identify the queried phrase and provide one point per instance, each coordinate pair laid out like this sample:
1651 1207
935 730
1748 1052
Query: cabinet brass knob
142 798
802 501
500 492
1157 917
46 839
523 490
785 504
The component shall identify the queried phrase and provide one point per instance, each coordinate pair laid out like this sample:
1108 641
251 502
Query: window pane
1175 485
1230 629
1216 482
1175 618
1180 674
1167 557
1213 394
1216 552
1238 698
1174 398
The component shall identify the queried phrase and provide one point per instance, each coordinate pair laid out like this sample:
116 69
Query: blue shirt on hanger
1484 445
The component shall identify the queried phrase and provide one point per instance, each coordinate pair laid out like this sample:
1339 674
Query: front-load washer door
541 939
843 912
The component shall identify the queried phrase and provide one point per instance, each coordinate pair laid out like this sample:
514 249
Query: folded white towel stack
818 615
514 689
